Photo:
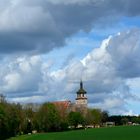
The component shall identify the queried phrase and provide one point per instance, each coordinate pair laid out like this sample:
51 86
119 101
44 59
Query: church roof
62 104
81 90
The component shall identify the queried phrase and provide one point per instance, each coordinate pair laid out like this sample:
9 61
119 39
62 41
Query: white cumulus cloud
103 72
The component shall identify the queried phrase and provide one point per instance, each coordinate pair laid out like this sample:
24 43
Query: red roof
62 104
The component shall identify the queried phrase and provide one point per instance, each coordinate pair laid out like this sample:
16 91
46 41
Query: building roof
62 104
81 90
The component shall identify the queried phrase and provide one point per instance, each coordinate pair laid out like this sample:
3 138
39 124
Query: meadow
112 133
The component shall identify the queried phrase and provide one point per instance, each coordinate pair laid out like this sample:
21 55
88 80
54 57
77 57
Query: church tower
81 99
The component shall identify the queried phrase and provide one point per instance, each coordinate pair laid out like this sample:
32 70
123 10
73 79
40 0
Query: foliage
94 117
75 118
10 119
16 119
48 118
124 120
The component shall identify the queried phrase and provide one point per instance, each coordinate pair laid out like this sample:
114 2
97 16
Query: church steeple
81 97
81 84
81 90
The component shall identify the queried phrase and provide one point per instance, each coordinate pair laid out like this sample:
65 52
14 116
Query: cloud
124 49
30 28
106 70
100 66
21 76
35 27
70 2
107 86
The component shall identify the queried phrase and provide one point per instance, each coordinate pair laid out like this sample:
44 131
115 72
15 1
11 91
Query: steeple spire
81 84
81 90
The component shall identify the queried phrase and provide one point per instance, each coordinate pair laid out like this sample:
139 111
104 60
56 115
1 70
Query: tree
13 119
124 120
135 119
3 122
2 98
94 117
29 116
116 119
104 116
48 118
75 118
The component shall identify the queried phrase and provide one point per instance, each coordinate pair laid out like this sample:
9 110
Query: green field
114 133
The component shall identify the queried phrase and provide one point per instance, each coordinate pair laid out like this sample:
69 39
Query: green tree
13 119
94 117
3 122
48 118
29 119
75 118
2 98
104 116
135 119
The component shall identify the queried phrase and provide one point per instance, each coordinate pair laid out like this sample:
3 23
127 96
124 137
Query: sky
48 46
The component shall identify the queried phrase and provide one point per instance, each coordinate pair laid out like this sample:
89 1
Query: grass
114 133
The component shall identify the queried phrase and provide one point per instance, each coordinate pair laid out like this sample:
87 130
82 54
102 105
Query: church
80 103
